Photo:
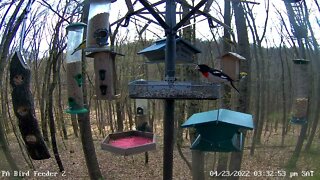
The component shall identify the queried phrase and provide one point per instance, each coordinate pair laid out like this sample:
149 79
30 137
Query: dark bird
144 127
214 75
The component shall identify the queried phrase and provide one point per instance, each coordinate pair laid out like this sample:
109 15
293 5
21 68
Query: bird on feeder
214 75
81 46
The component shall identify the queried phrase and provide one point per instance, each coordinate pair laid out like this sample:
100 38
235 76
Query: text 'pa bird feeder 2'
230 64
130 142
301 90
74 69
185 52
219 130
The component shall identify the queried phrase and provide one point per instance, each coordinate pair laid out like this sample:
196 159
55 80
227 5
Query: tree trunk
244 99
84 120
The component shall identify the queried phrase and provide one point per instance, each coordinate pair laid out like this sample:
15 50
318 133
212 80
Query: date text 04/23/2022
258 173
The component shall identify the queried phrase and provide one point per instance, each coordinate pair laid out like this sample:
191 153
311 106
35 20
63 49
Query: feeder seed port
103 89
22 110
18 79
31 139
78 78
102 74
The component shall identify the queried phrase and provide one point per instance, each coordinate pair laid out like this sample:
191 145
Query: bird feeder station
219 130
130 142
185 52
230 64
301 90
171 89
74 69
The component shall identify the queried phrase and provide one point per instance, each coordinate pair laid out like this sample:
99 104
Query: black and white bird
214 75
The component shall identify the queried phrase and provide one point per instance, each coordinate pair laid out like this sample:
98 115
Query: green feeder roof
220 116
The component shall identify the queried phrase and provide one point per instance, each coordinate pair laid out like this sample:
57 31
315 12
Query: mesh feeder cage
301 90
74 69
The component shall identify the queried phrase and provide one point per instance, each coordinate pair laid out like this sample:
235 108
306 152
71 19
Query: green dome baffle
219 130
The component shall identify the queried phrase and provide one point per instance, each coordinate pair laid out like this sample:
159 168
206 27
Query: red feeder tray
130 142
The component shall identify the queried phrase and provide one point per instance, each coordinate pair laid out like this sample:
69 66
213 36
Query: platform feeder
219 130
301 90
230 64
74 69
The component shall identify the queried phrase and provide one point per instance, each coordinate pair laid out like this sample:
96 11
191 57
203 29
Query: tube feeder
98 49
301 90
74 69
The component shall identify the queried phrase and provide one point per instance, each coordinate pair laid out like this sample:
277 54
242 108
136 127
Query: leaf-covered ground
269 158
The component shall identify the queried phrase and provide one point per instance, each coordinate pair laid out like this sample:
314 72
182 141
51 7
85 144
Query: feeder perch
98 25
178 90
74 69
219 130
130 142
185 52
230 64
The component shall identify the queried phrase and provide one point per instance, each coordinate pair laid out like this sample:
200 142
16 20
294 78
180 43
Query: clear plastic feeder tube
98 7
75 35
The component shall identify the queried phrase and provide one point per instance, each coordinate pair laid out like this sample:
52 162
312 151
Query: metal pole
168 123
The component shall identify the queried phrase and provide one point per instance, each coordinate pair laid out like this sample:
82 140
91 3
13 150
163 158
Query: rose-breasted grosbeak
214 75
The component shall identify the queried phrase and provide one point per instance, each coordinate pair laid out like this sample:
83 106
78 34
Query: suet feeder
130 142
219 130
185 52
141 107
230 64
98 25
143 89
301 90
74 69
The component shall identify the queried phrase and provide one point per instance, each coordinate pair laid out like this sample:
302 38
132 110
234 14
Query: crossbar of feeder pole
129 6
206 14
136 12
190 13
149 7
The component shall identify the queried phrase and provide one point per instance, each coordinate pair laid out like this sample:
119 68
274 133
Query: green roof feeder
219 130
74 69
185 52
